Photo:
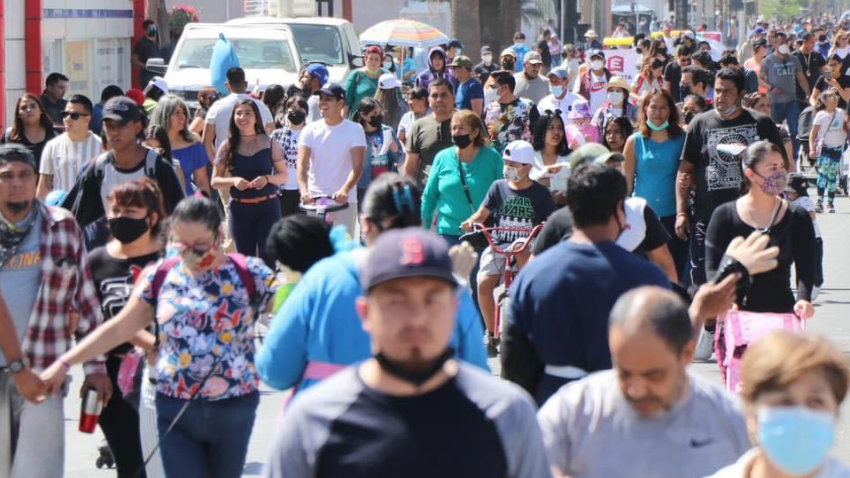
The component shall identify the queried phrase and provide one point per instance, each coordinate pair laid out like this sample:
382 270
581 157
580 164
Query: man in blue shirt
558 319
520 49
470 93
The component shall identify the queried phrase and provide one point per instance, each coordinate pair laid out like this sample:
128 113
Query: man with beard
410 410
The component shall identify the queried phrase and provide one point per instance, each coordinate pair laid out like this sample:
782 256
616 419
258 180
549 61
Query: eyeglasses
74 116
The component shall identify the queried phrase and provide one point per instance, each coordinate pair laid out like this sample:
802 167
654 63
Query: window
253 53
319 43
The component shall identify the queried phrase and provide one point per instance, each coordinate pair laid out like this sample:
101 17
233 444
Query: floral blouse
205 320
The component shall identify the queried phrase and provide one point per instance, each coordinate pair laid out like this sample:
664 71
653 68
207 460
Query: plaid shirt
66 286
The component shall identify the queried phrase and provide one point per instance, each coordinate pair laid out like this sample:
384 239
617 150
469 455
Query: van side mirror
156 65
356 61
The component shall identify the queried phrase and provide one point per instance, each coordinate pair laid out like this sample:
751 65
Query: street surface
832 318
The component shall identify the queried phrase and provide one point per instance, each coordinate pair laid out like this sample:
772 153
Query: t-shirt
64 159
473 425
204 321
428 137
145 49
565 104
831 468
812 64
482 71
843 81
672 77
466 92
805 203
520 50
509 122
20 278
517 208
532 89
781 74
289 140
37 149
572 65
406 123
557 181
330 155
700 434
222 110
831 128
598 93
114 279
191 159
718 174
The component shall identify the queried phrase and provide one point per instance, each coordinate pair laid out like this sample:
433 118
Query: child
797 193
580 131
515 202
829 132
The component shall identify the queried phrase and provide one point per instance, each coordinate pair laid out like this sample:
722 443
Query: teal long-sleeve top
444 189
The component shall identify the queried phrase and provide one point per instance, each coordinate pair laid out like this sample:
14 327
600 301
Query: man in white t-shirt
330 156
218 117
591 83
561 98
67 154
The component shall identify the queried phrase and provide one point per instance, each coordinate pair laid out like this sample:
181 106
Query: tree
781 8
466 25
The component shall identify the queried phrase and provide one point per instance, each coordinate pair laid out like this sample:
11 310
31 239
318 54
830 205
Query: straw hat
618 82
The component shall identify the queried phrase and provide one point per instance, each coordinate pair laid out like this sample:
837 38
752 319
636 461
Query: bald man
649 416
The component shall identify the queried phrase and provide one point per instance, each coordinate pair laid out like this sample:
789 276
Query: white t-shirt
557 181
64 159
832 133
572 65
805 202
330 155
598 93
831 468
313 113
221 111
565 104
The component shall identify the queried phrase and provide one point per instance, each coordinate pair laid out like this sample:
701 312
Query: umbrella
401 32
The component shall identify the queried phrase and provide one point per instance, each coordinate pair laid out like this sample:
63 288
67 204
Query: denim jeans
250 226
790 112
210 440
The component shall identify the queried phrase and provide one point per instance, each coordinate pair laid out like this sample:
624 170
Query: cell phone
827 74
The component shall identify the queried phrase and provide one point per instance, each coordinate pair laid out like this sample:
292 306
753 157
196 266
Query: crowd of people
365 226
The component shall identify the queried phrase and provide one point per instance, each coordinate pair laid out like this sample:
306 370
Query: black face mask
376 121
688 117
416 377
296 116
508 65
685 90
127 229
462 141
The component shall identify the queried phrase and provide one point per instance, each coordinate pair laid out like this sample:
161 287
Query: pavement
832 318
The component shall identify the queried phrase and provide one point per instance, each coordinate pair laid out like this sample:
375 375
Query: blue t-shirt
656 166
20 278
471 90
191 158
520 50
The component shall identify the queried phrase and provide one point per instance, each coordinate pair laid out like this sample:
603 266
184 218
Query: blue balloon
223 58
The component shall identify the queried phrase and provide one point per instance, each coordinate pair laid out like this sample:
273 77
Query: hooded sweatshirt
426 77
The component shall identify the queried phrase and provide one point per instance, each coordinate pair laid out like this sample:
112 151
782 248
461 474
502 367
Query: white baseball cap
388 81
519 151
159 83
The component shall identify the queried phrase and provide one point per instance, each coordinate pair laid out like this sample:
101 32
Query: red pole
139 12
2 67
34 58
347 12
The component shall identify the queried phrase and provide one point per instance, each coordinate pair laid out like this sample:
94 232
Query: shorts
492 264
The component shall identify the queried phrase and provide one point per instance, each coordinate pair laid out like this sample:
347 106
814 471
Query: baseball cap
797 183
592 153
580 109
455 43
332 89
388 81
533 58
318 71
159 83
690 34
136 95
761 42
758 31
508 52
519 151
462 61
486 49
592 53
14 152
559 71
121 109
409 252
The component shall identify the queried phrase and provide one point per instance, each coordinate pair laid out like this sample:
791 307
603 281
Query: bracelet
681 214
64 363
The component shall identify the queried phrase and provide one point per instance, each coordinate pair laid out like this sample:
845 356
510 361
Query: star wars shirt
517 208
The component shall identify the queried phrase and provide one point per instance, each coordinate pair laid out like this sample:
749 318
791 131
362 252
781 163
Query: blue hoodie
426 77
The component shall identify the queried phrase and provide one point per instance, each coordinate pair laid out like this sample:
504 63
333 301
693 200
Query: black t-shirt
145 49
297 90
114 279
545 54
843 80
672 76
812 64
34 148
482 71
718 174
523 208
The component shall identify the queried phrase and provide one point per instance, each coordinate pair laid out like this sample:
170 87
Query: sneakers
705 346
819 207
830 208
492 344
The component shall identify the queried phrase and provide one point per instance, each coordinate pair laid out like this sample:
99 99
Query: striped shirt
64 159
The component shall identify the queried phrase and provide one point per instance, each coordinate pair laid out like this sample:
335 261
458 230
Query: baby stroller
804 130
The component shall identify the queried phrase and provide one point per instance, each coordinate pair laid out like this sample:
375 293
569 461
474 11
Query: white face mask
783 49
597 65
615 97
490 95
512 174
487 59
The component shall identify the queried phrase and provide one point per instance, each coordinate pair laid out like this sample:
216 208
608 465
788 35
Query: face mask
518 44
459 51
775 183
688 117
487 59
685 90
727 112
376 121
151 31
296 116
784 50
196 260
462 141
660 127
127 229
557 90
508 65
512 174
491 95
416 377
615 97
795 439
597 65
373 72
388 65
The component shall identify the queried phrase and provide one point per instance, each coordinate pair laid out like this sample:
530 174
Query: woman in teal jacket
363 82
460 177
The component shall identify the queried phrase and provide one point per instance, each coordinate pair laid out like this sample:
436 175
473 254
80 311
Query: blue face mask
660 127
795 439
556 90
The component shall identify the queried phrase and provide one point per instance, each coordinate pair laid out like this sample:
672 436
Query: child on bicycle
514 202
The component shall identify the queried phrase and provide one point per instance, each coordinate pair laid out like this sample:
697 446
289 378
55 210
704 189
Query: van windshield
318 43
253 53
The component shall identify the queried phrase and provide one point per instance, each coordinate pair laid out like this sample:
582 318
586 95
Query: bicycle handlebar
514 247
323 204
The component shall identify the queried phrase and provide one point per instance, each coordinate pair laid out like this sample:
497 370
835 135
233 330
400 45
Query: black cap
592 53
455 43
797 183
410 252
122 109
332 89
759 43
486 49
14 152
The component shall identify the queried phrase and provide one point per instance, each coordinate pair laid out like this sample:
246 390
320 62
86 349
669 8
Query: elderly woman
793 388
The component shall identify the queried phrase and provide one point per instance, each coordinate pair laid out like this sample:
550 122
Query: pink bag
129 374
740 329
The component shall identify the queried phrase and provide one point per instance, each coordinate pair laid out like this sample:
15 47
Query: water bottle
90 411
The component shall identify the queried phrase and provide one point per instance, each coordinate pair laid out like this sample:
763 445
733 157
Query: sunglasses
74 116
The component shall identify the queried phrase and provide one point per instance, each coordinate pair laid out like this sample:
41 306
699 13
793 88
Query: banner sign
623 63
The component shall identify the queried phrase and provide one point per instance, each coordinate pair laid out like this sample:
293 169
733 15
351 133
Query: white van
266 54
331 41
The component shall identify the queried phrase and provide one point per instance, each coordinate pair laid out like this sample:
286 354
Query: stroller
804 131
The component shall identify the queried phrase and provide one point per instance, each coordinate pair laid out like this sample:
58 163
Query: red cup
90 411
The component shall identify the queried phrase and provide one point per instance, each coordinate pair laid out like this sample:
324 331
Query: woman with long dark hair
274 97
617 131
551 166
31 127
383 149
252 167
173 114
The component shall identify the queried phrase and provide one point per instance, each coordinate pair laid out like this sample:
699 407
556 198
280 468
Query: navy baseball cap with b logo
410 252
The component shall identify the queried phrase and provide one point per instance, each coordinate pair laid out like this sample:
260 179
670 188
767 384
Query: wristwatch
16 366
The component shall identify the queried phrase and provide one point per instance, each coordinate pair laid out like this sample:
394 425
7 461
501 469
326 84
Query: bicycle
511 252
323 207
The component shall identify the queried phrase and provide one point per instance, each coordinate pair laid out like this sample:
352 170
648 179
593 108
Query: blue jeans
210 440
790 113
250 226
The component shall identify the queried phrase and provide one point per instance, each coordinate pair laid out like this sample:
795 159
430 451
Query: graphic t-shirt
509 122
781 74
519 208
205 322
288 139
20 278
718 174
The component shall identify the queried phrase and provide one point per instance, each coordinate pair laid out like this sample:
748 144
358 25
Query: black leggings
120 424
